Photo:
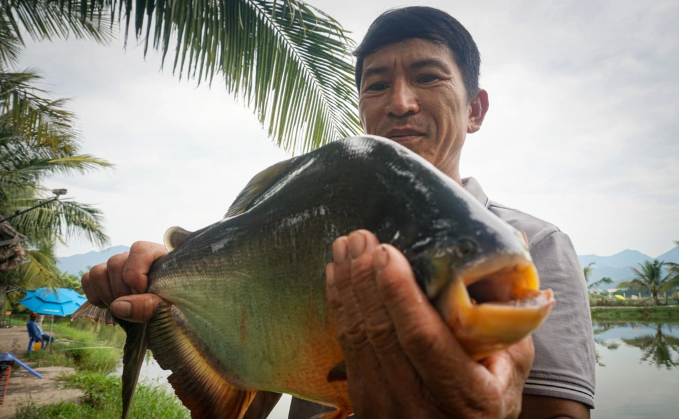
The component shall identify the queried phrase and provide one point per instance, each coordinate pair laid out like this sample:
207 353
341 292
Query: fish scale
244 305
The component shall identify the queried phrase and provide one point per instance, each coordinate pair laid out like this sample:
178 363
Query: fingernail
122 309
381 258
340 250
356 244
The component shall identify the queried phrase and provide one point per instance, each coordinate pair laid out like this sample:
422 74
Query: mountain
617 267
76 263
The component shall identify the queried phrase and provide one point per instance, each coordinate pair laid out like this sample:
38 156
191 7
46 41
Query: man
417 74
34 331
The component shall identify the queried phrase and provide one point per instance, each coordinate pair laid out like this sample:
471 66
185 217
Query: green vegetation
94 350
661 313
651 279
102 400
98 349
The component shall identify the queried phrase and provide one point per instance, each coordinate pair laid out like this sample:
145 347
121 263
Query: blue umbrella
58 302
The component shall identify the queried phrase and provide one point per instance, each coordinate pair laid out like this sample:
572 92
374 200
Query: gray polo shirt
564 347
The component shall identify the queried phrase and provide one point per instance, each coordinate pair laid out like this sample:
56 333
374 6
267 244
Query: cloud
583 128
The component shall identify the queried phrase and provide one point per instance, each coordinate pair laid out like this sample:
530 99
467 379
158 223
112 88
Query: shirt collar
473 187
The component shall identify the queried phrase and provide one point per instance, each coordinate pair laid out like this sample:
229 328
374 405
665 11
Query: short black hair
422 22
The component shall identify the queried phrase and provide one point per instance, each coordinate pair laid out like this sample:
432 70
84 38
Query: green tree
650 278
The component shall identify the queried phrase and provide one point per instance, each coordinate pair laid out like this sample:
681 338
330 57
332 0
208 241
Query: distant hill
74 264
617 267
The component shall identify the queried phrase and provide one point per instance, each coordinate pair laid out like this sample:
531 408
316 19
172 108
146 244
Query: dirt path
24 386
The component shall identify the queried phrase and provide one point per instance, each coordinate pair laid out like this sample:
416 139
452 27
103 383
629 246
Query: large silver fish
244 306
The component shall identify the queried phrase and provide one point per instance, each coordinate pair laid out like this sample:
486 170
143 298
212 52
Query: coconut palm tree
587 271
38 139
605 280
287 60
650 278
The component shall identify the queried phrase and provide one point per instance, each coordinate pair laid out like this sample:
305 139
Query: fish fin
262 405
133 355
256 186
337 373
334 414
197 382
89 311
174 237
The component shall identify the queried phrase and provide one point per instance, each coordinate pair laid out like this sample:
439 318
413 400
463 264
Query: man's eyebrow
370 71
431 62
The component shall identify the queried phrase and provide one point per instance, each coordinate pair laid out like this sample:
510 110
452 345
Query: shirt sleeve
564 365
33 331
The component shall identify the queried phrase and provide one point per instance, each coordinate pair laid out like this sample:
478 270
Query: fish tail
197 379
133 352
133 356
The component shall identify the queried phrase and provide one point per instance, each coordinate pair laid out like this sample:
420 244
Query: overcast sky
583 127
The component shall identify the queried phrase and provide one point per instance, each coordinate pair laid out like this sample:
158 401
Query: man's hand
402 360
121 283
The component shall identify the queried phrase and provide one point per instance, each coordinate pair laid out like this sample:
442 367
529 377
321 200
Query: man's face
412 93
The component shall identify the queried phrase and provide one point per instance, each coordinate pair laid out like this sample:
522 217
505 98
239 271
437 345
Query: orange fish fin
100 315
196 380
337 373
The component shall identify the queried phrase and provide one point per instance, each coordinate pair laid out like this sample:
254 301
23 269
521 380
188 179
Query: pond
637 372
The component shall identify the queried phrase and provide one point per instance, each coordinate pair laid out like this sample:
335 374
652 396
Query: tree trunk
655 297
3 290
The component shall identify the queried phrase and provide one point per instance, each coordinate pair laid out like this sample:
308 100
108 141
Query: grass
86 351
102 400
664 313
95 351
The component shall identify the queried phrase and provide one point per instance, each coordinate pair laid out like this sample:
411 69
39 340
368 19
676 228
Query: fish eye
466 248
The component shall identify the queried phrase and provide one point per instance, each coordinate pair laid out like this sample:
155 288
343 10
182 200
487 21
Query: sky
582 131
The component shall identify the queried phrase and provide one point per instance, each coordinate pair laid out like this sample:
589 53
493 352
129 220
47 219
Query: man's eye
377 87
427 78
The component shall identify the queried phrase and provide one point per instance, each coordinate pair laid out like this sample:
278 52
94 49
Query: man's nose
402 100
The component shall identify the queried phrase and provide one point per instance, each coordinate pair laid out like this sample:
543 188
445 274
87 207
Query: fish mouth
495 304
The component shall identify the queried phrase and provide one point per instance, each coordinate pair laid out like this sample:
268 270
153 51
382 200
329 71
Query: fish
244 307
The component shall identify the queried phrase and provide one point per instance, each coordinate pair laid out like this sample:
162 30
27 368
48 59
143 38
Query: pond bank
653 313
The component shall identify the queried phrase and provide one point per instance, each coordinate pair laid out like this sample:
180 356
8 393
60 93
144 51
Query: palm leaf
288 61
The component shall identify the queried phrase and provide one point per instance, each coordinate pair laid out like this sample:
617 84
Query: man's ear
477 110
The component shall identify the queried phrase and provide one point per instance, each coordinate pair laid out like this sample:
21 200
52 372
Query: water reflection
637 370
658 348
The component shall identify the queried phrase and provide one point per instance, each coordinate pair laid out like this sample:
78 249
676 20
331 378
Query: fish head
480 276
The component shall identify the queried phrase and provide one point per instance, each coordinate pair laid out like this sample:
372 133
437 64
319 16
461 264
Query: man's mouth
404 135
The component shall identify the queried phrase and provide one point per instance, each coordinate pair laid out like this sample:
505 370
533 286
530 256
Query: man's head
417 74
34 316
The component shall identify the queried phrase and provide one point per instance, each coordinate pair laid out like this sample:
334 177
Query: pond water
637 372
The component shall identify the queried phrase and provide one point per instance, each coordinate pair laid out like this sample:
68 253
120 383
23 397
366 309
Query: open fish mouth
495 304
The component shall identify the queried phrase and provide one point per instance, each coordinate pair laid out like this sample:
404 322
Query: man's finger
135 308
90 292
99 279
115 266
427 341
140 259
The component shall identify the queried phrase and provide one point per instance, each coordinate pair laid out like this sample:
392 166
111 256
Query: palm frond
289 61
60 220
